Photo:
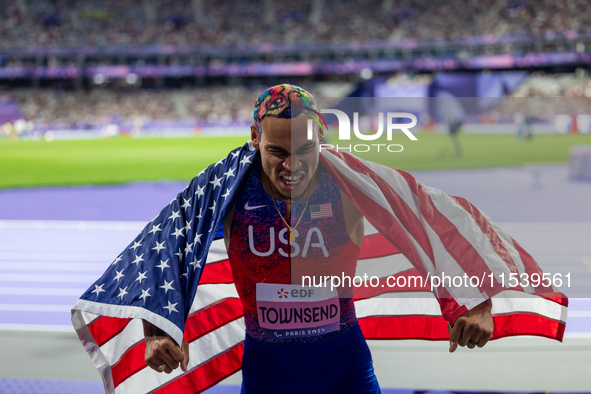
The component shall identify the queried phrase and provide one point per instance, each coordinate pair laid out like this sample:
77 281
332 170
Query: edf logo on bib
314 239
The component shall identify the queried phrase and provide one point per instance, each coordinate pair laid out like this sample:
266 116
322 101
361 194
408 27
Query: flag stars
122 292
186 274
188 225
171 307
98 289
167 286
227 193
141 276
178 232
246 160
217 182
219 162
175 214
196 263
179 254
135 245
138 259
145 294
212 208
155 228
197 238
200 191
229 173
199 216
189 249
159 246
235 154
163 264
187 204
118 276
118 259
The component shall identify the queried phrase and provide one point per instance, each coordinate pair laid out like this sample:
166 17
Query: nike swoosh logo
249 208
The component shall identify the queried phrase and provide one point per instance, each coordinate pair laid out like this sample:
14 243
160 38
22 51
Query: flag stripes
410 230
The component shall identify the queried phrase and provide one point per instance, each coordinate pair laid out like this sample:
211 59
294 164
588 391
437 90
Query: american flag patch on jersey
321 211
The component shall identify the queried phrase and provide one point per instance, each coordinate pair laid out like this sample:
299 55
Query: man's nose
291 164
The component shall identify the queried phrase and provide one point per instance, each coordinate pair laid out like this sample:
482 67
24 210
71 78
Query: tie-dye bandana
282 101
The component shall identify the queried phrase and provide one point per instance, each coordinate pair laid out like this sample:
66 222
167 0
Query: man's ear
255 136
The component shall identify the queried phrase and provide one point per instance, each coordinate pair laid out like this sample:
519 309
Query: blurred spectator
239 22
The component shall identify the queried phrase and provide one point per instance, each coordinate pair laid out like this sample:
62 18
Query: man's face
288 158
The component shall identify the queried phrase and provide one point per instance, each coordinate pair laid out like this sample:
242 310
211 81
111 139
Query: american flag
320 211
410 230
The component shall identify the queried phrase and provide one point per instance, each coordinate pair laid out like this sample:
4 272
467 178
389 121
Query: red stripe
527 324
381 218
104 328
197 325
488 230
218 272
131 363
435 328
406 216
404 327
531 267
209 319
459 248
208 374
376 245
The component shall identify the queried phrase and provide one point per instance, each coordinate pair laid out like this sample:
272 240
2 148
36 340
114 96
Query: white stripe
116 347
217 251
416 303
511 301
35 308
200 351
508 242
445 263
41 291
361 181
210 294
48 278
470 230
383 266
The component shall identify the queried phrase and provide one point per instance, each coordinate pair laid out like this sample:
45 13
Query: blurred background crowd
82 64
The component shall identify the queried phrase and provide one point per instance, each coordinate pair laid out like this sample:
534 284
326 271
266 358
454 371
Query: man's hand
162 350
473 328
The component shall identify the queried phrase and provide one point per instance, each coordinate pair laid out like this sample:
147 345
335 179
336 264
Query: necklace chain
279 212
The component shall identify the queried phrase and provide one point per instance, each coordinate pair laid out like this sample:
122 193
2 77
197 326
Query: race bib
290 311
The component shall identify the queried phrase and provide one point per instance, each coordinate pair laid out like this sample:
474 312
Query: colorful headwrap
282 101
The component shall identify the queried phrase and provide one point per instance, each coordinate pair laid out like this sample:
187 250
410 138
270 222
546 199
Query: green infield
119 160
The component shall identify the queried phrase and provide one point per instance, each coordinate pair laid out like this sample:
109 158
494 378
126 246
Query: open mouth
291 181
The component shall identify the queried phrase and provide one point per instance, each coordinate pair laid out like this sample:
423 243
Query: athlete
313 344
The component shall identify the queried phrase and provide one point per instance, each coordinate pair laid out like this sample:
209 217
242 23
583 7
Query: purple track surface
52 275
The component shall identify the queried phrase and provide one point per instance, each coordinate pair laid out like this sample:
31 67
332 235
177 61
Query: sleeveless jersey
260 250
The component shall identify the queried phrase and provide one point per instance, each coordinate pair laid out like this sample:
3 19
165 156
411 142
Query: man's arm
162 350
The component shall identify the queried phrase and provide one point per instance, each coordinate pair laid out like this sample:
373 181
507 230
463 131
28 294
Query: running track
55 242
